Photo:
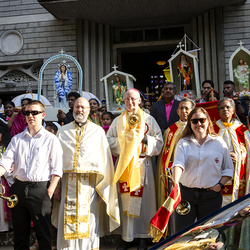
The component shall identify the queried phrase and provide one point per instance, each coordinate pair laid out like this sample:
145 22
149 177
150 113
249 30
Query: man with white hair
135 136
237 138
88 172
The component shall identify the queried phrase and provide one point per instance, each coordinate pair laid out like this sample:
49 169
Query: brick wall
236 28
41 39
20 7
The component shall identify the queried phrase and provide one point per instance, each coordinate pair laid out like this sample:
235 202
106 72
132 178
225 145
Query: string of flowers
243 81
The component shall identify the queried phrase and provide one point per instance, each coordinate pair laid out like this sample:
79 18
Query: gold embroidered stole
78 144
130 171
173 134
129 140
77 206
170 143
77 197
131 200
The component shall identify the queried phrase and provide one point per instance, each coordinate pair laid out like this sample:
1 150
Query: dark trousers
203 202
33 204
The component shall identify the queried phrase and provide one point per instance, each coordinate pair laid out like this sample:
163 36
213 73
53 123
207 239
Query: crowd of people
92 174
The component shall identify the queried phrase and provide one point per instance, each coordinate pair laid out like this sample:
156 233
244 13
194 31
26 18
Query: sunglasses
33 113
201 120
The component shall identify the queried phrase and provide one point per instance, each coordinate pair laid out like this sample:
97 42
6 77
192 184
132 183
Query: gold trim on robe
76 211
240 139
170 138
86 152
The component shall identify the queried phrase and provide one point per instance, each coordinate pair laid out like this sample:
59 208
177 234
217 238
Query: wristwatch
221 185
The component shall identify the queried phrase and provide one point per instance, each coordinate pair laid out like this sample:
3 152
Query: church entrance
146 65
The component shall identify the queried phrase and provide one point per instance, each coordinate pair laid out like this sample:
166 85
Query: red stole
173 133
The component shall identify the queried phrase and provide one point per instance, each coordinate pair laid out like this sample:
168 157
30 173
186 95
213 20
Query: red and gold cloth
211 108
159 223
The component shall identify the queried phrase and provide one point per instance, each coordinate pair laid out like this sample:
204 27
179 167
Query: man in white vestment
135 136
237 138
86 185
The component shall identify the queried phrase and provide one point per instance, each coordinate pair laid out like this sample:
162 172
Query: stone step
106 242
7 238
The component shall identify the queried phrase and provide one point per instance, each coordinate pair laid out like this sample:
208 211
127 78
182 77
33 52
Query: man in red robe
170 137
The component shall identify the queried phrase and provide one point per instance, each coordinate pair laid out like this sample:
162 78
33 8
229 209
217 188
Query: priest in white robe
237 138
86 185
135 142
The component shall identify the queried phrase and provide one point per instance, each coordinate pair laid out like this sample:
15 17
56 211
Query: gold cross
147 92
84 176
83 206
72 176
71 204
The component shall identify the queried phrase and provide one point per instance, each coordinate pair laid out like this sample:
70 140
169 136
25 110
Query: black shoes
142 244
124 245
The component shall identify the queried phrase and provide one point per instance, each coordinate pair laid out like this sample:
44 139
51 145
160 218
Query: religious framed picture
184 72
116 83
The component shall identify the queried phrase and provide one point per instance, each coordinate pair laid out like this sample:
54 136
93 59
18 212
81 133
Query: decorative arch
240 53
52 59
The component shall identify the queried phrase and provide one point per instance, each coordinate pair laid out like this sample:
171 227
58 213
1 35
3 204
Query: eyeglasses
33 113
184 108
225 107
130 99
201 120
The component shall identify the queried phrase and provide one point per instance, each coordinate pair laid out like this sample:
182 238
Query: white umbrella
43 100
89 95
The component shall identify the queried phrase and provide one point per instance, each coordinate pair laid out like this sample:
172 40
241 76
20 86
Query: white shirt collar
183 123
38 134
192 138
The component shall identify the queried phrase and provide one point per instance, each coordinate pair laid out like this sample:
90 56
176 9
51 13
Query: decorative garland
244 81
62 92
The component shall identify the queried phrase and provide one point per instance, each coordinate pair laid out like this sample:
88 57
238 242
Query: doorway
142 64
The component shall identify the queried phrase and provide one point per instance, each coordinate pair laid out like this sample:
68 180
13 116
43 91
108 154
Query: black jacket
158 111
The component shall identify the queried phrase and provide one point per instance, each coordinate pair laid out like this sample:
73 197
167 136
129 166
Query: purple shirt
169 108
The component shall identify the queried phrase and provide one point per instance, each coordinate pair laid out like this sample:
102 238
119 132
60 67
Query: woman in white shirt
202 166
